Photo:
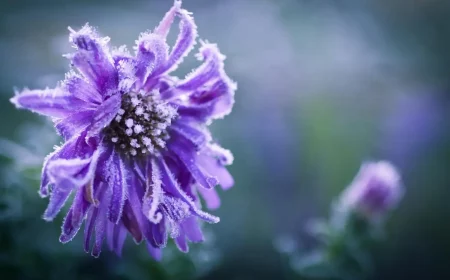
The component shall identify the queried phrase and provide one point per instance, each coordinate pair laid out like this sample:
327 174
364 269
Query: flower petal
185 41
199 136
156 253
151 52
120 53
211 197
209 71
74 124
153 196
212 89
200 113
93 59
81 89
110 228
186 152
100 232
192 230
75 147
130 222
89 227
164 26
219 97
171 185
48 102
135 196
159 232
104 114
117 181
74 218
120 235
58 198
214 167
100 221
67 174
181 243
75 172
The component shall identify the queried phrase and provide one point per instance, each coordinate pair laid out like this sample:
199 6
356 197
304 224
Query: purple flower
137 152
375 190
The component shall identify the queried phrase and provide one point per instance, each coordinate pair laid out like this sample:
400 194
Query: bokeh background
323 86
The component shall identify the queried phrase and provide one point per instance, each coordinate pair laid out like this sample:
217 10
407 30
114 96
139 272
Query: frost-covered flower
137 151
375 190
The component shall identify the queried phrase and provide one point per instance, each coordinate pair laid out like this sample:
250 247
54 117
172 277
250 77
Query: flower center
140 126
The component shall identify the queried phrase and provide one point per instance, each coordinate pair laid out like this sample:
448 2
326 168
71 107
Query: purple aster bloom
137 153
375 190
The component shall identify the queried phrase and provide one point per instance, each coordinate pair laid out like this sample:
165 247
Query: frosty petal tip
82 38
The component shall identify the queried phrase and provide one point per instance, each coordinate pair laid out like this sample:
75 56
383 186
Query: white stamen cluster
140 126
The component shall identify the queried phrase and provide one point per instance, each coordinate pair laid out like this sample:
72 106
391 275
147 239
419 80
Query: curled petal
164 26
76 172
153 196
224 156
151 53
219 97
215 167
49 102
73 148
135 197
185 41
93 59
67 174
126 69
210 70
119 54
45 180
215 93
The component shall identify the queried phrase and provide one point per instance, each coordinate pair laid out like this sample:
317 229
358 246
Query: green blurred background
323 86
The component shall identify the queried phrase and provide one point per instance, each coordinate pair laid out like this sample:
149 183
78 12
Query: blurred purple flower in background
375 190
137 151
345 238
